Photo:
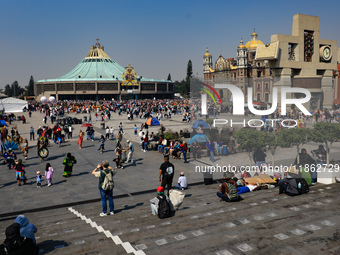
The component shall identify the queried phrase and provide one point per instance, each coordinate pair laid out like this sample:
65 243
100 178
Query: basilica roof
96 66
252 44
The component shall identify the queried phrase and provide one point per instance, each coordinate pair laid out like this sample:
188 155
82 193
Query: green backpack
232 192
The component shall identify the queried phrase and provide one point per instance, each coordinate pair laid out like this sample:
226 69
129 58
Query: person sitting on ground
228 191
182 182
26 229
305 164
16 244
259 157
154 203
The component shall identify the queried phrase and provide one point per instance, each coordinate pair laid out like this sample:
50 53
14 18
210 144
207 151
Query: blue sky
48 38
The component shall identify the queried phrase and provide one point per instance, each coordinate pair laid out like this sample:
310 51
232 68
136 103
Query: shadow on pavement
128 207
51 245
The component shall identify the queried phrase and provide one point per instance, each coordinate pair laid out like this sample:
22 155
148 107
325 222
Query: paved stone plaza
261 224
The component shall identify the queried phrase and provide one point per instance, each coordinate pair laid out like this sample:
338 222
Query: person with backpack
161 205
105 174
166 174
228 191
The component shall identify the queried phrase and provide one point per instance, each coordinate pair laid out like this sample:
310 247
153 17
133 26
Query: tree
14 90
30 88
250 139
8 90
189 69
327 133
169 77
295 136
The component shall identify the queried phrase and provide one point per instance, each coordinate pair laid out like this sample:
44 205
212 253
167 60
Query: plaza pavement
203 226
142 175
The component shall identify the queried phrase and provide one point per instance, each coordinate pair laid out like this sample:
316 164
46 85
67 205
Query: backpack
302 186
169 171
108 183
232 192
163 207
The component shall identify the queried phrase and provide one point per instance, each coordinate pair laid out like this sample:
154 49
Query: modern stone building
97 77
301 60
304 60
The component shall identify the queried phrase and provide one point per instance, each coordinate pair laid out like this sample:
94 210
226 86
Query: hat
160 189
181 173
12 230
127 141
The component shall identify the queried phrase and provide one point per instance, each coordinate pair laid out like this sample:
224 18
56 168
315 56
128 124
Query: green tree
8 90
295 136
30 88
327 133
15 89
169 77
250 139
275 140
189 69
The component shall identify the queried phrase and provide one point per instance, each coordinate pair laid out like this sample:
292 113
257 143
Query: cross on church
97 43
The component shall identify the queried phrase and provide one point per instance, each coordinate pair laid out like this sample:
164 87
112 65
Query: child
39 180
25 150
49 174
135 129
118 157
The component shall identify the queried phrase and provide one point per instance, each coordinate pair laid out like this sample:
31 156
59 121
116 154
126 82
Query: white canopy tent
12 104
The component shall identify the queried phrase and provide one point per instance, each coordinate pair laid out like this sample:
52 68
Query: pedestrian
25 151
166 174
20 172
31 134
80 140
105 193
121 128
118 152
39 179
101 145
321 160
130 151
211 148
184 149
111 133
68 163
135 130
49 174
107 132
70 130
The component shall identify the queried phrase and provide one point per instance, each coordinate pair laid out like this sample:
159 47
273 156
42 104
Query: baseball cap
181 173
160 189
127 141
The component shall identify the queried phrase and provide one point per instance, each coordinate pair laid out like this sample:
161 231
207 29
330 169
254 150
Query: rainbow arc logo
210 94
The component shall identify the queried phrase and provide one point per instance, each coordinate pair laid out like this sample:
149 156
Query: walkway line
116 239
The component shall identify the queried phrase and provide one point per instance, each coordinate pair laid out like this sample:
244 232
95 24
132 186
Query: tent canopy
12 104
199 138
201 123
153 122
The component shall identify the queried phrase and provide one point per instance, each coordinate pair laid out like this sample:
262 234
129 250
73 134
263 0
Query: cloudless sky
48 38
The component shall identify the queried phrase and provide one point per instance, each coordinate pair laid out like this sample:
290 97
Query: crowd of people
230 189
